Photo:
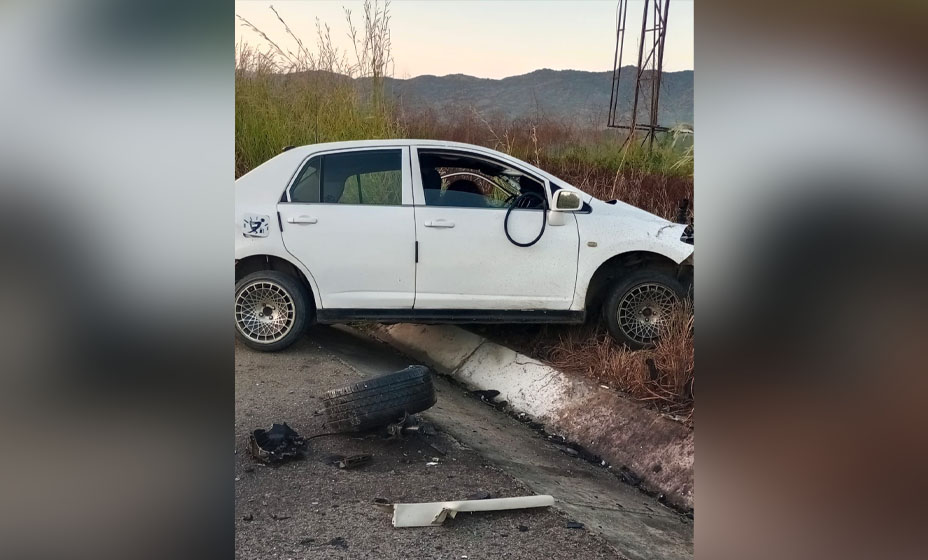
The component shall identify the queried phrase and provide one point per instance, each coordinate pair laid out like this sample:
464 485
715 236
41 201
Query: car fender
602 239
242 252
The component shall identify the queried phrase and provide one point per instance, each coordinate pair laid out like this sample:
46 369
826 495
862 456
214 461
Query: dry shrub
663 376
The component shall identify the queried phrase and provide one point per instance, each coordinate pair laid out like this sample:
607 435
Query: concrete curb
656 449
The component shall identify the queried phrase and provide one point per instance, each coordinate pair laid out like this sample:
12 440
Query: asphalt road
312 509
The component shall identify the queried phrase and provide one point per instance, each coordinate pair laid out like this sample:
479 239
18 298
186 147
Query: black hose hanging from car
515 204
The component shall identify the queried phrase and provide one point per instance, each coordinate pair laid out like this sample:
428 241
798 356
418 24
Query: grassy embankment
298 95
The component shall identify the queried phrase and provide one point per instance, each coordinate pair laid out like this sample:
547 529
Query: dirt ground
312 509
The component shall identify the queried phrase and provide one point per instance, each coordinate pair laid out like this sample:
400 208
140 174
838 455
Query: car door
465 260
348 217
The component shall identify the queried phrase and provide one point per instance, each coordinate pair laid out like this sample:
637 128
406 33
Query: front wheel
271 310
640 305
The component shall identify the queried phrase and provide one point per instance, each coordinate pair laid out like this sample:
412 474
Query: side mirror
567 201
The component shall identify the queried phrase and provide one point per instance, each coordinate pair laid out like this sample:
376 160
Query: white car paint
363 256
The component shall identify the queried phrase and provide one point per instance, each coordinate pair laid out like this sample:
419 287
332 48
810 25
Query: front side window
363 177
457 179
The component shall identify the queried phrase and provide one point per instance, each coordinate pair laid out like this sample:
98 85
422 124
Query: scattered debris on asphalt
523 529
628 477
248 517
351 461
280 443
481 495
434 513
574 525
489 397
409 424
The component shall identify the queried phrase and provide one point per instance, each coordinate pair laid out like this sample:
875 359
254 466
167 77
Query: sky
483 38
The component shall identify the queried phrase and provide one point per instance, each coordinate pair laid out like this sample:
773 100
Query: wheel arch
253 263
617 265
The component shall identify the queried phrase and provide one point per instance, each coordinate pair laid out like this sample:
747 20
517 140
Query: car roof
393 142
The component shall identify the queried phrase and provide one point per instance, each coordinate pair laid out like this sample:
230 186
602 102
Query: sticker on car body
256 225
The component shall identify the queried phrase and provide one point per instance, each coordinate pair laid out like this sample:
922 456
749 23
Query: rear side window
306 186
365 177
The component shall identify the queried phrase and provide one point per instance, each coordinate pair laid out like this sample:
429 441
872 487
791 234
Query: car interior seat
464 193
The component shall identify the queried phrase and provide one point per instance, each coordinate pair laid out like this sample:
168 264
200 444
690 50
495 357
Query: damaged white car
441 232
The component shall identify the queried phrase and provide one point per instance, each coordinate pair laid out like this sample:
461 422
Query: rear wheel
271 310
639 305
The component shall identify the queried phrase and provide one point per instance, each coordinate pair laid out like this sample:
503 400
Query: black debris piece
574 525
569 451
523 528
487 396
248 517
353 461
409 424
481 495
629 477
280 443
381 501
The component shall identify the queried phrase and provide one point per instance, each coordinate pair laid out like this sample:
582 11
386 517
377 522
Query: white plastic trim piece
434 513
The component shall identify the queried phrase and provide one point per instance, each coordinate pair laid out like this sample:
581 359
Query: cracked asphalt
312 509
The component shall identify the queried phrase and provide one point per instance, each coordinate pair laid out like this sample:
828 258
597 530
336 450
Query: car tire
638 304
379 401
272 310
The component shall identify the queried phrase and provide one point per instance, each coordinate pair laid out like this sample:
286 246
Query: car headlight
687 235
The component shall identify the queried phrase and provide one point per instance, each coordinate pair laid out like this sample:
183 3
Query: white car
441 232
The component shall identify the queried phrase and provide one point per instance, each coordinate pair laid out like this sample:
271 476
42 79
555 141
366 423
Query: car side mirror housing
567 201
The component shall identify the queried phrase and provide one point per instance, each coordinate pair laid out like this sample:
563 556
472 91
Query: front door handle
439 223
302 220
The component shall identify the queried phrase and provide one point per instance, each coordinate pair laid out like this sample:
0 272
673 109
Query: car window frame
406 186
419 189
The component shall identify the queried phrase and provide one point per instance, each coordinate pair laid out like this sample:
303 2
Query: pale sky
484 38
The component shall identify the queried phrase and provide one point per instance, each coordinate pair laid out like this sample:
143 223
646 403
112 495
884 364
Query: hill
566 94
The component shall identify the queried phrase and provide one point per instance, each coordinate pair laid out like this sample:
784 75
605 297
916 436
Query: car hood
619 208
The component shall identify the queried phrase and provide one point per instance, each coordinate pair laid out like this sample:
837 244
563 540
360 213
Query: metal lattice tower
647 88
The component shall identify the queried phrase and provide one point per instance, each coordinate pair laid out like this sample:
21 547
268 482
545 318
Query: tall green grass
286 98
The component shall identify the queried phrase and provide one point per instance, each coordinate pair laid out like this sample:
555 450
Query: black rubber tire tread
302 303
618 291
379 401
384 389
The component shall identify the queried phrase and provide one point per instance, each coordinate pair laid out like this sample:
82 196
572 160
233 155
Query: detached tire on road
379 401
639 304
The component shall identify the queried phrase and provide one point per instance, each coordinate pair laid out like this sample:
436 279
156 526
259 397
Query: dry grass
662 377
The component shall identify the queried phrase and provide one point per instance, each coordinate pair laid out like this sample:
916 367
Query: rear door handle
439 223
302 220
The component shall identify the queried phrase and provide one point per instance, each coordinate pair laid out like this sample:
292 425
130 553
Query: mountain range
572 95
